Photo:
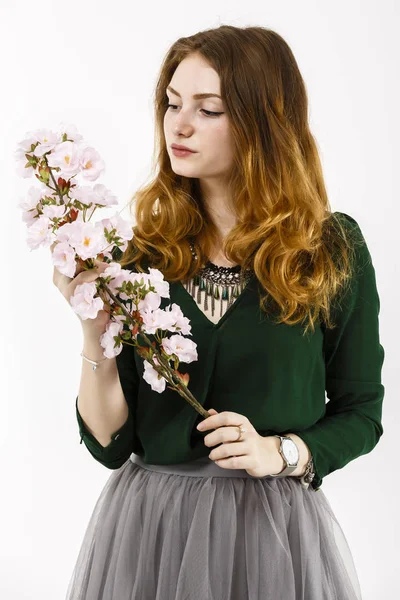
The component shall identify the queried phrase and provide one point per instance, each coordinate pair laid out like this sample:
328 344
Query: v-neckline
228 311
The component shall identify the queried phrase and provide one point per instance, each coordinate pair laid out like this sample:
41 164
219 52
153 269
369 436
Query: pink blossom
70 130
29 204
150 302
182 323
54 211
99 194
123 229
65 233
155 319
84 194
39 233
83 301
29 217
104 196
47 141
118 276
107 341
184 348
150 375
24 147
158 281
34 196
87 239
91 164
65 155
63 256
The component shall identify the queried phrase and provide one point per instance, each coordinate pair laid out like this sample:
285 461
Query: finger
233 462
102 266
229 449
203 425
89 275
221 419
226 435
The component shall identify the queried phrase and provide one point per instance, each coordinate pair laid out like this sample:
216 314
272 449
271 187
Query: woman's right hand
66 285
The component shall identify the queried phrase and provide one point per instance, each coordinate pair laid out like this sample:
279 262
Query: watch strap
287 469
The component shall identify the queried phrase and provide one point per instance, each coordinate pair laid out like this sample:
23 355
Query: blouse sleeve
353 355
117 452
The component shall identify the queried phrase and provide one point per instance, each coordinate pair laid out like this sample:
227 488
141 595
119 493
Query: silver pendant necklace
218 283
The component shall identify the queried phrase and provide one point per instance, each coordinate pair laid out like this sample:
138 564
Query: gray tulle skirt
196 531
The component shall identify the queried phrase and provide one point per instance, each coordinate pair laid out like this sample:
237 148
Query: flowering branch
60 216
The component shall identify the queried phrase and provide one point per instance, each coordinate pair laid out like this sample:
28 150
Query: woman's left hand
256 454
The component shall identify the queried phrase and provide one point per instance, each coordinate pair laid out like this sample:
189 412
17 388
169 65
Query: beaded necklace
218 283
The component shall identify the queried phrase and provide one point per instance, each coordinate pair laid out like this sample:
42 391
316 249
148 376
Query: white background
95 64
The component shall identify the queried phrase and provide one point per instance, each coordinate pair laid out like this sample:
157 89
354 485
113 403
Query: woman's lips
182 153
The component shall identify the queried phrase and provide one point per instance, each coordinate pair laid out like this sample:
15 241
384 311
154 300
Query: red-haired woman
283 304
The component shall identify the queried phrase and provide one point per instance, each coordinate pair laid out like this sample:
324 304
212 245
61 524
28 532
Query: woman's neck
220 260
217 258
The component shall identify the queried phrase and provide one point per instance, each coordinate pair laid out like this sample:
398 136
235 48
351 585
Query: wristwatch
290 454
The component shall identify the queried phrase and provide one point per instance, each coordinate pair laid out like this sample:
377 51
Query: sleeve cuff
117 452
318 478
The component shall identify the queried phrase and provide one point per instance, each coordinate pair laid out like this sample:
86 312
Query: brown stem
54 181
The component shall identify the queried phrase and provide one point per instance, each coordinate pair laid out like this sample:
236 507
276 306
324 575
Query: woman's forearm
101 401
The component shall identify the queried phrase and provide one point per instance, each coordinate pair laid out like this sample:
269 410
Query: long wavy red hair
286 231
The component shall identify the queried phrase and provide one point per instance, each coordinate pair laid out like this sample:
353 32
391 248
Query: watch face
290 451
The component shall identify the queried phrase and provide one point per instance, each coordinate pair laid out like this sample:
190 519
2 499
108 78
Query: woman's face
188 122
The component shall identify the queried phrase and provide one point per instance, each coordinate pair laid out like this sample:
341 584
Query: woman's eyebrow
195 96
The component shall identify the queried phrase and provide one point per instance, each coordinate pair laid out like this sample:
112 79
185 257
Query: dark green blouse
269 372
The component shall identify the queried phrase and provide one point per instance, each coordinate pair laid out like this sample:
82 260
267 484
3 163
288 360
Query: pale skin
189 122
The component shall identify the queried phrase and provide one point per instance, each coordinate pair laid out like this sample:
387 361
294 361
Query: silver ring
241 430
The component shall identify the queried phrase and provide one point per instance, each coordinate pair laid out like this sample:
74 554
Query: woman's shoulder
348 228
348 221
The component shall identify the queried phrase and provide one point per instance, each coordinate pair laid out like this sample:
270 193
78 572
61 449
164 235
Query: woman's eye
209 113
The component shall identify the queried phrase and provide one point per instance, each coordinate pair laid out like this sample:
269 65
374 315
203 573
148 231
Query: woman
282 299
